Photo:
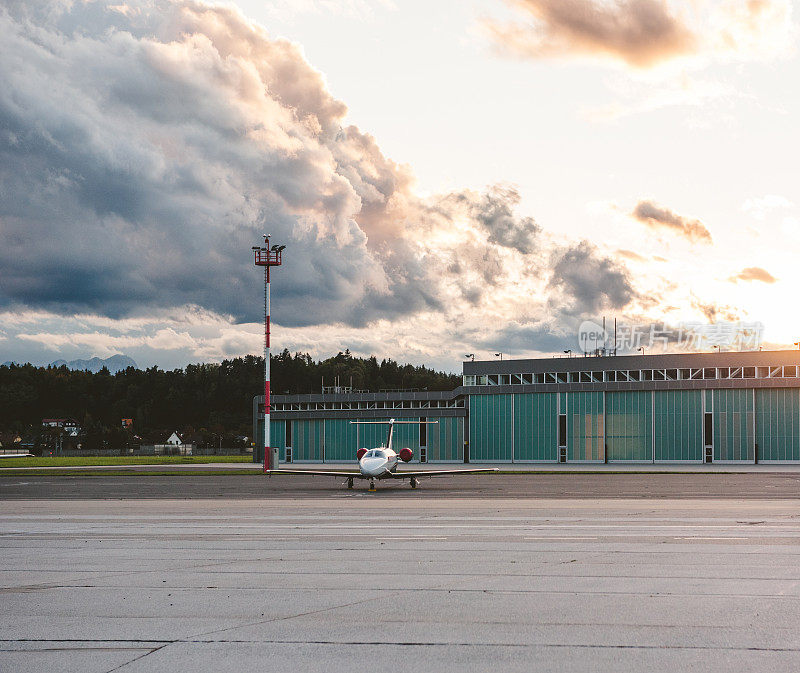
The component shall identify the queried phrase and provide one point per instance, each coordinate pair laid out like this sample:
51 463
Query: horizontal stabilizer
393 422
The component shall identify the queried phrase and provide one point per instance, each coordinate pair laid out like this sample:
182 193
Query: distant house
176 444
175 440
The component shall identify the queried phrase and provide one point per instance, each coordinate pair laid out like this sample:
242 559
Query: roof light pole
267 257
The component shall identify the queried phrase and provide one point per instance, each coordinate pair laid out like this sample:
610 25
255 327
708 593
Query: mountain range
114 364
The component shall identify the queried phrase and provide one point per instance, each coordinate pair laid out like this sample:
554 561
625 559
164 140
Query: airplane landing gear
371 485
350 482
413 482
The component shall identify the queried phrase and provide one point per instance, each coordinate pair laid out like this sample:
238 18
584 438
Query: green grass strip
79 461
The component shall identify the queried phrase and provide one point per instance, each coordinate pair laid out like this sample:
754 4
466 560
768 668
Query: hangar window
423 432
561 377
647 375
562 429
672 374
790 372
659 375
633 374
749 372
611 376
288 441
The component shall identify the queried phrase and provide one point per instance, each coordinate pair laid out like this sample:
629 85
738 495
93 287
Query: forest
210 403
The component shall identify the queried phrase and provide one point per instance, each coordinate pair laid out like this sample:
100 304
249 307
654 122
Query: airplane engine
360 453
406 455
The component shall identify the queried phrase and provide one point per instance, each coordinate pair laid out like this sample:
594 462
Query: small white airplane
381 462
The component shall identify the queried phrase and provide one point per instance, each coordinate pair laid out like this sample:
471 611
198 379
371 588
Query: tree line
210 402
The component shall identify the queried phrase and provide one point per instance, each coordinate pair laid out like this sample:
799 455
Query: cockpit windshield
375 453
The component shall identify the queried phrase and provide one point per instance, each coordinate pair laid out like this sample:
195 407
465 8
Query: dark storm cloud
493 211
518 337
657 217
714 312
145 147
638 32
588 282
136 172
752 273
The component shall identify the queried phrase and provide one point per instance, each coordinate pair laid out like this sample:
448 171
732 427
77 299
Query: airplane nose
374 466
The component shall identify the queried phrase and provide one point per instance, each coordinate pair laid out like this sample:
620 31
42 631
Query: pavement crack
139 658
295 616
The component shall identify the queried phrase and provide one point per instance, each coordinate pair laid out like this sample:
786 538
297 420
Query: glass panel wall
446 439
340 440
307 439
629 425
778 423
535 426
734 431
490 432
678 422
585 426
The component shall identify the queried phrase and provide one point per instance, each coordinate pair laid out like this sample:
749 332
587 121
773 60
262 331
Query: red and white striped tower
267 257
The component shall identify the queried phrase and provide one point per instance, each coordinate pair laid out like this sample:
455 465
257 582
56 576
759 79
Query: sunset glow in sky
448 177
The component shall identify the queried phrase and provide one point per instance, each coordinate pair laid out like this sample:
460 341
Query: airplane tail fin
392 422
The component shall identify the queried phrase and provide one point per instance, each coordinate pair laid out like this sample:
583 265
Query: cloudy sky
449 177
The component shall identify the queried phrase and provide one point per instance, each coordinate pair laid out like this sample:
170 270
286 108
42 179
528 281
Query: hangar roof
621 362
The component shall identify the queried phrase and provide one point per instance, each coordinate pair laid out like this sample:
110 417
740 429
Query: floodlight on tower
267 257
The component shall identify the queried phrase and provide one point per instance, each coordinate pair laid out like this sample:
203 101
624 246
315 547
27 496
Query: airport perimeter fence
152 450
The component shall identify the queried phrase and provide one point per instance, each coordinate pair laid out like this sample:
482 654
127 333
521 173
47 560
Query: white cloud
760 207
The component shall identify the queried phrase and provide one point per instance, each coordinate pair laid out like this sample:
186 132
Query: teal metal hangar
730 407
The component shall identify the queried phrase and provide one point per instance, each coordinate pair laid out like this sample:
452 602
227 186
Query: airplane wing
435 473
322 473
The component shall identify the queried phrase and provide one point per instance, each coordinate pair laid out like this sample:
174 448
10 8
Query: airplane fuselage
378 463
